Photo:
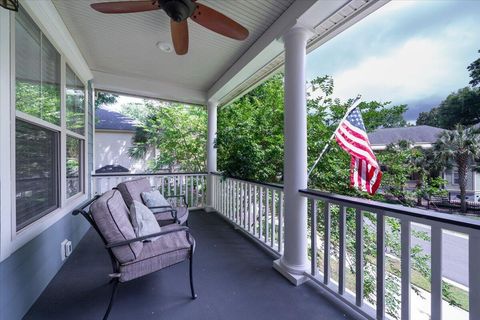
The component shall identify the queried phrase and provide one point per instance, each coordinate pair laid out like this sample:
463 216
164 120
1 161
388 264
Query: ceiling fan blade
219 23
179 32
126 6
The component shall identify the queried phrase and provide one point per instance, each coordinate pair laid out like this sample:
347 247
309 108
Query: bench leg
194 295
112 298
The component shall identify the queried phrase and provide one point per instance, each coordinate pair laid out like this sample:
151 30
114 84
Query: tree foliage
103 98
474 69
429 118
461 107
177 132
461 146
250 134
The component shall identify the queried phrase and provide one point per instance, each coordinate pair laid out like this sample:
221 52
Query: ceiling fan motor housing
178 10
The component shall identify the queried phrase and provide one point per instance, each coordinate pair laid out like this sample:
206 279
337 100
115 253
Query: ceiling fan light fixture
164 46
177 10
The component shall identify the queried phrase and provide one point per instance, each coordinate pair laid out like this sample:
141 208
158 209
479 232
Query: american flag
351 135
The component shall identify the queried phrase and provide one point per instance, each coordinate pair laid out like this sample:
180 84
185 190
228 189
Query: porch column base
295 278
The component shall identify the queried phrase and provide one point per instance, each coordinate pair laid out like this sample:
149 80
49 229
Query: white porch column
211 150
294 260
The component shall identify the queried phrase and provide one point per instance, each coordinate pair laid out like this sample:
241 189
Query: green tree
105 98
461 107
250 134
461 146
178 132
474 69
429 118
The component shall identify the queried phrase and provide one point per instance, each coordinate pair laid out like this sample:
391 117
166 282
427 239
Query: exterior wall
25 274
472 183
31 258
111 148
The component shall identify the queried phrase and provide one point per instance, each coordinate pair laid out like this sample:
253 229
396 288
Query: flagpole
327 145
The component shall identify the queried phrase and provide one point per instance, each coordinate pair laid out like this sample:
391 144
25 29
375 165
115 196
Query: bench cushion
168 250
113 221
132 190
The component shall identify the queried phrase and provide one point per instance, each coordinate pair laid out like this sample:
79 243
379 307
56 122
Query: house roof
111 120
418 135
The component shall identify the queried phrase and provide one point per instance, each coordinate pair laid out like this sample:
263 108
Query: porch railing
192 185
329 213
345 228
255 207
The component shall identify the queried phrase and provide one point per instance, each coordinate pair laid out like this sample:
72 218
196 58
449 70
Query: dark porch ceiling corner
233 278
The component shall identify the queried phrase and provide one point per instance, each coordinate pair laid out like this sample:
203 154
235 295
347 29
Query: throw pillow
143 220
154 199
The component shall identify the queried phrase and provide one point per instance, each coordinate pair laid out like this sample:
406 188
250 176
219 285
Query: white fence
192 185
255 207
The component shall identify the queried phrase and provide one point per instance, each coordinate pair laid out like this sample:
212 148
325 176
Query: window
36 160
37 67
40 131
74 166
75 103
456 177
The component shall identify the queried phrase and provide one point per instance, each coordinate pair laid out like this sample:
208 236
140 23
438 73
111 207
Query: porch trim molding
5 127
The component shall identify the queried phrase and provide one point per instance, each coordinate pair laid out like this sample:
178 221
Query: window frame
57 174
13 240
81 169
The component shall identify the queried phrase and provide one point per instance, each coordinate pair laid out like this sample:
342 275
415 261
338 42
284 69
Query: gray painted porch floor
234 279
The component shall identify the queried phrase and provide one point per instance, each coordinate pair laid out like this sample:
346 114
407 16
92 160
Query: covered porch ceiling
122 54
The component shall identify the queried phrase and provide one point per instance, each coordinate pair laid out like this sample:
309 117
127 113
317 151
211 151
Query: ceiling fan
179 11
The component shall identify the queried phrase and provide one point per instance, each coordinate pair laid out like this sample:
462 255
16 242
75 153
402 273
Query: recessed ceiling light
165 46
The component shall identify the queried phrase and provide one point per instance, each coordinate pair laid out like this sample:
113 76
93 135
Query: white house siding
473 180
111 148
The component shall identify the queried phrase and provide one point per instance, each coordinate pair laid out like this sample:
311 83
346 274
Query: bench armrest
161 233
182 196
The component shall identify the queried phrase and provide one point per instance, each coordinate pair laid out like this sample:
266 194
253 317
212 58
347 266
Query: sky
407 52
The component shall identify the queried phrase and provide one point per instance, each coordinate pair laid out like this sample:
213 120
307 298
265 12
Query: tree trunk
462 181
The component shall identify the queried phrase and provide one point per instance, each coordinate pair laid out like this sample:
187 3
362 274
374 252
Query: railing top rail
402 210
266 184
120 174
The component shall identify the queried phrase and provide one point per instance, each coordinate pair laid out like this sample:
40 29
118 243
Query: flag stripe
357 132
355 141
353 150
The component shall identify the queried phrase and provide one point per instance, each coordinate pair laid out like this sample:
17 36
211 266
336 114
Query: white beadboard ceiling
124 45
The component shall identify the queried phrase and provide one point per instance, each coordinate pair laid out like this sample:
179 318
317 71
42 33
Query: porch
233 277
303 233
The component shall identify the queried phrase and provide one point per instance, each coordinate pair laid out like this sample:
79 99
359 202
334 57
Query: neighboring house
113 138
425 137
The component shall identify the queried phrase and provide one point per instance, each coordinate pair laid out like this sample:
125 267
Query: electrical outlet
65 249
68 248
